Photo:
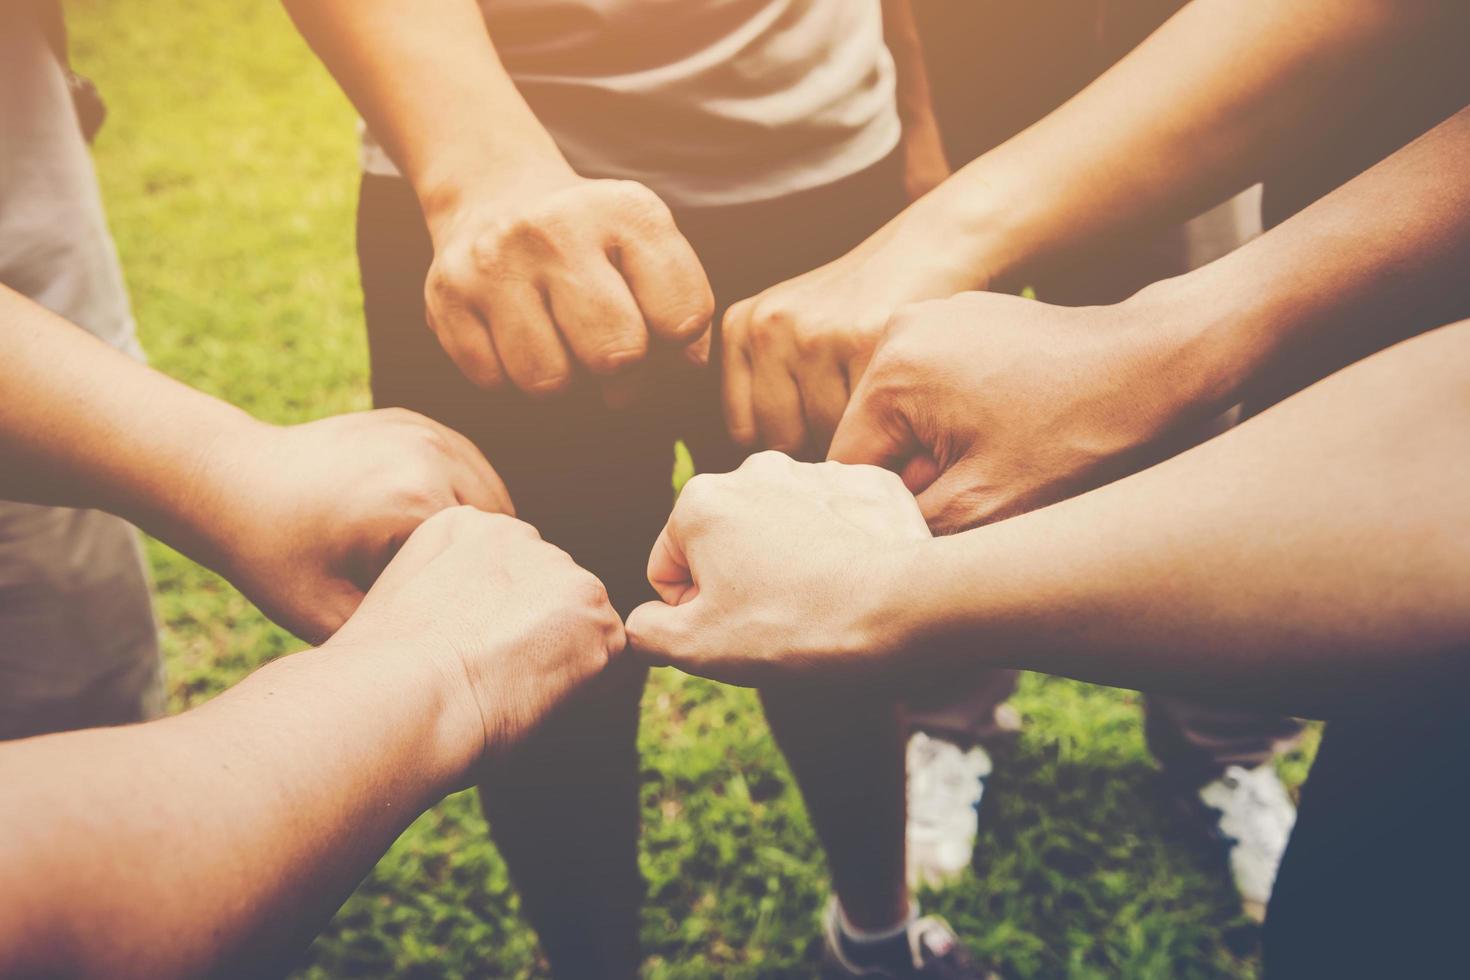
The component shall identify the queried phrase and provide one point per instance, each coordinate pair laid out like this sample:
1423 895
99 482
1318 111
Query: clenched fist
993 405
793 353
779 569
561 274
509 622
302 518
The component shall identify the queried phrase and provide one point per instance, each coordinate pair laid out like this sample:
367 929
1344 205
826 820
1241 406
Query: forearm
1315 559
83 425
235 830
1379 259
427 79
1191 116
901 34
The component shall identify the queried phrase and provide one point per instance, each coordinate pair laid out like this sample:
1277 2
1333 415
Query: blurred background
229 167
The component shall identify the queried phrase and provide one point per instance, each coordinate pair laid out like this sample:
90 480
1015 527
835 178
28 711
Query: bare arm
1197 112
301 518
1192 115
925 163
219 841
1015 404
1313 559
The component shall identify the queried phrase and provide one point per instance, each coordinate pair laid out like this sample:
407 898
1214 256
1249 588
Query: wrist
1195 335
214 490
488 181
421 704
898 591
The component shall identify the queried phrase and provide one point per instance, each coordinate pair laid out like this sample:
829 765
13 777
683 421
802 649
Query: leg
563 808
844 744
1196 742
80 644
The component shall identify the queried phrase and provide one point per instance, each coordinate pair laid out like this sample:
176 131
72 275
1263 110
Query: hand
507 621
778 569
303 518
793 353
544 277
993 405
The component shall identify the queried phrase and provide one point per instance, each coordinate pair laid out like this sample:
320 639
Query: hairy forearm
83 425
427 79
222 839
1315 559
1191 116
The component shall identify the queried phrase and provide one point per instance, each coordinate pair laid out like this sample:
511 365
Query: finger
475 481
956 501
697 353
871 432
527 340
776 405
668 283
823 389
738 380
656 633
465 337
668 570
596 316
919 473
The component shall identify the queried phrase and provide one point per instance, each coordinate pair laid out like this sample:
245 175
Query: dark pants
596 482
1040 54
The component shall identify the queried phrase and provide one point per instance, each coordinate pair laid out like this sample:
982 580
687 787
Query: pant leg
563 808
967 715
78 643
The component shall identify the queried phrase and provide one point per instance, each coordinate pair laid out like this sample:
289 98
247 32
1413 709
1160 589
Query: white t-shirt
54 244
706 101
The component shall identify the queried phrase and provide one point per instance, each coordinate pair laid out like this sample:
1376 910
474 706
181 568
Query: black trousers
596 482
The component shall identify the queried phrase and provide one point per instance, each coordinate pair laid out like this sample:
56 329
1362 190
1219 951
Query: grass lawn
228 166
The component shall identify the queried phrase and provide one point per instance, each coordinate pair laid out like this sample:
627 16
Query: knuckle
615 357
548 383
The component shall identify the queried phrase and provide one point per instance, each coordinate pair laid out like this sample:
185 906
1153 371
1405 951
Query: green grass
228 166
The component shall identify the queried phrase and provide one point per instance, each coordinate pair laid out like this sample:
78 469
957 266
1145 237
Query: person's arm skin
1191 116
1316 559
300 518
925 165
221 840
997 405
537 271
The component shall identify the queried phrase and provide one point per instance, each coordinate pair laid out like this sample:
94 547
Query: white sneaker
945 784
1255 817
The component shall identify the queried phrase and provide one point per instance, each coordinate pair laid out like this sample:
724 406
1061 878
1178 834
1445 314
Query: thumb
871 432
656 632
957 499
